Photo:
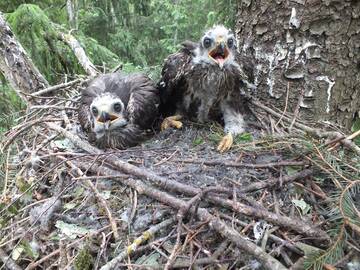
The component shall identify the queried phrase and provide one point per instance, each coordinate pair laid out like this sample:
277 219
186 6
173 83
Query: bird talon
172 121
225 143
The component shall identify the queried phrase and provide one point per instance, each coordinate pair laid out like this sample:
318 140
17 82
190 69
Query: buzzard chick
116 109
203 82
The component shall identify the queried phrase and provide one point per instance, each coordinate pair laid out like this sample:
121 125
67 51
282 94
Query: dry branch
171 185
215 223
8 262
137 242
80 54
15 64
241 165
59 87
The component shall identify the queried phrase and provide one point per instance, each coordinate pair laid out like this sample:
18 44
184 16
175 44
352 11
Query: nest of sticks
286 196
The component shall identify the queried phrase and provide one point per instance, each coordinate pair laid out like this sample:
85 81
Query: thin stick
100 199
241 165
58 87
137 242
6 174
34 265
8 262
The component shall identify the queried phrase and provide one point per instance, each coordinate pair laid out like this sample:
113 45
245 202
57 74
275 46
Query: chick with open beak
218 47
108 113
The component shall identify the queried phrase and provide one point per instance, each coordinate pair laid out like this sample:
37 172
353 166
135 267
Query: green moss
83 260
39 36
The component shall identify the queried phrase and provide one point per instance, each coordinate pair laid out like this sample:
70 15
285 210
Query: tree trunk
16 66
71 7
306 50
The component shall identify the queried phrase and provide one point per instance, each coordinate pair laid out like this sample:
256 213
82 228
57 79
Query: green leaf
198 141
69 206
71 230
304 207
291 170
355 127
29 250
149 260
244 137
16 253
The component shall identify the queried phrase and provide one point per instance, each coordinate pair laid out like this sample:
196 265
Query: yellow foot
226 143
171 121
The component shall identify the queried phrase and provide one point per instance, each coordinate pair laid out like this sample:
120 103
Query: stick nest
285 196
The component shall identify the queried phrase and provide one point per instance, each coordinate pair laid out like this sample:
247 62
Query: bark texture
17 67
310 49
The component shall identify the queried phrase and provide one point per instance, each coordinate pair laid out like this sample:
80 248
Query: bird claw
225 143
171 121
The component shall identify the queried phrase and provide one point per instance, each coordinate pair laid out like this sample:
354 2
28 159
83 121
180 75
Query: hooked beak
106 119
220 53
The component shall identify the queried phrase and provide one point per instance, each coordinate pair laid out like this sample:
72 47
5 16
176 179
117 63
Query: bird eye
94 111
117 107
230 43
207 42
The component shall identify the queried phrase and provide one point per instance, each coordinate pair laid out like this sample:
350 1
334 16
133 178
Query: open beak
220 53
106 119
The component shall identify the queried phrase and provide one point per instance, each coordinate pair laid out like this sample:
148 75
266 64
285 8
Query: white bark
15 64
80 54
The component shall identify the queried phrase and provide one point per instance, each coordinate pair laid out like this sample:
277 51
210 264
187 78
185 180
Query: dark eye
94 111
207 42
230 43
117 107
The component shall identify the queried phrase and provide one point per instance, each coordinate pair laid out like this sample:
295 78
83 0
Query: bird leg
234 125
225 143
171 121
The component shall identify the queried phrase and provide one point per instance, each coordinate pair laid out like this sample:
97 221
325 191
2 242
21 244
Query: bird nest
285 196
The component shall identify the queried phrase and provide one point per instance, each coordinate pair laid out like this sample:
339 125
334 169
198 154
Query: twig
286 104
171 185
297 108
6 174
347 142
202 213
24 128
34 265
273 182
215 223
137 242
101 200
241 165
8 262
316 132
59 87
80 54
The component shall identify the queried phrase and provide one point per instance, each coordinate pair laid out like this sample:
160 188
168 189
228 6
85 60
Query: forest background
138 34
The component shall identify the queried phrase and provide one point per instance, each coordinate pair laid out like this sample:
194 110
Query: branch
241 165
80 54
59 87
137 242
171 185
214 222
15 64
8 262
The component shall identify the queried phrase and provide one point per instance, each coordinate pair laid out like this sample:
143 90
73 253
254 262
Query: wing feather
144 100
172 84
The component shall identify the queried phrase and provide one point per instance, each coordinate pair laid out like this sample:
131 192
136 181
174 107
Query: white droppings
270 79
303 47
294 23
278 54
303 105
331 84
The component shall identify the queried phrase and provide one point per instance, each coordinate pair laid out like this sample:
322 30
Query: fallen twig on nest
241 165
137 242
